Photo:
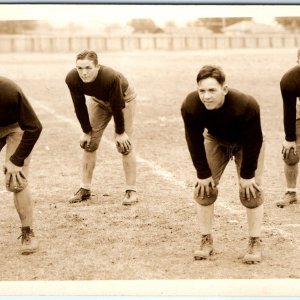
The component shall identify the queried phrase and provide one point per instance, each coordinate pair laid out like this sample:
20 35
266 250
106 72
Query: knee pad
125 153
292 158
253 202
207 200
15 187
93 147
122 150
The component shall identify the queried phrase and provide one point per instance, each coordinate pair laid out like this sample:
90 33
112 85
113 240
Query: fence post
256 42
230 42
171 43
154 42
12 44
88 42
32 43
105 44
139 42
271 44
200 42
51 44
185 43
122 42
70 44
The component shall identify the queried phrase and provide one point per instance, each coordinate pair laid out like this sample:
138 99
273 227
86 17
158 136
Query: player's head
211 86
87 65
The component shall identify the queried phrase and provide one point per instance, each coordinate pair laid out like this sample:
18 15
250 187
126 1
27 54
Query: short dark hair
88 54
208 71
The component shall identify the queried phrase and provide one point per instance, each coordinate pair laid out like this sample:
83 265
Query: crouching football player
221 124
110 96
19 130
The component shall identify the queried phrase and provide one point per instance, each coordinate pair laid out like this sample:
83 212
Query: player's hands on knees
203 186
15 180
85 140
286 147
123 143
249 188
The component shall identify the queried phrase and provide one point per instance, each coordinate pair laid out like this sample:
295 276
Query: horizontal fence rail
49 43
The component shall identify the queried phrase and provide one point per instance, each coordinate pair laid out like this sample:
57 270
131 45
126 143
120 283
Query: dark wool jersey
290 90
237 121
109 86
15 108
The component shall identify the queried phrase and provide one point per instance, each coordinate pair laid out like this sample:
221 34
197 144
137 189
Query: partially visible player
110 96
290 91
222 123
20 128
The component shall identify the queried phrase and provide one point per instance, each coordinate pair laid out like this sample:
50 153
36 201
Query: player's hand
14 176
123 143
248 187
203 186
286 146
85 140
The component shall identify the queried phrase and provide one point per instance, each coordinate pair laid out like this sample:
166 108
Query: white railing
63 43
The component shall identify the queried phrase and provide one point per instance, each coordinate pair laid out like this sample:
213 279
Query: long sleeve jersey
15 108
290 90
109 86
237 121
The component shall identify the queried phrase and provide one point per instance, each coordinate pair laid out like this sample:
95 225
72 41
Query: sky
61 14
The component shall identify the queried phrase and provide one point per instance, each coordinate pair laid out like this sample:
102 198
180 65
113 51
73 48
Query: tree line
291 24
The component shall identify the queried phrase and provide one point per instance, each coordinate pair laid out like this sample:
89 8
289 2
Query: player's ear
225 88
98 66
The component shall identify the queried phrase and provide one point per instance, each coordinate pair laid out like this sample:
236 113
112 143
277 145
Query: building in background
251 27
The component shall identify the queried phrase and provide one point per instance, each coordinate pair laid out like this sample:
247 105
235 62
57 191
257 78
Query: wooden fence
43 43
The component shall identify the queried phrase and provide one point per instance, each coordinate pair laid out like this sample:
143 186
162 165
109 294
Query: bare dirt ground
155 239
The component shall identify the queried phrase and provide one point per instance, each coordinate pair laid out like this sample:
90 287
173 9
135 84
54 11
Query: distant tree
112 27
17 26
170 24
216 24
74 27
144 26
289 23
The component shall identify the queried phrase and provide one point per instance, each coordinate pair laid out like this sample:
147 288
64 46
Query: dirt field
155 239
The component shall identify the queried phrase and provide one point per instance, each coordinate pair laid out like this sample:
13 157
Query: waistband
129 95
10 126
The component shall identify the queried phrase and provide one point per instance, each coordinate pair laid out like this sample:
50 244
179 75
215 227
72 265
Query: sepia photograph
150 149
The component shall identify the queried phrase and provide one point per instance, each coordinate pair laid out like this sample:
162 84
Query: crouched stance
19 131
109 96
290 91
222 123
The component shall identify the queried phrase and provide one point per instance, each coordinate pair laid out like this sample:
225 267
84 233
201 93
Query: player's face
87 70
212 93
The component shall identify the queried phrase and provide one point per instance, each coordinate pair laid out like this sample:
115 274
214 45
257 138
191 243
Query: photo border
251 289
